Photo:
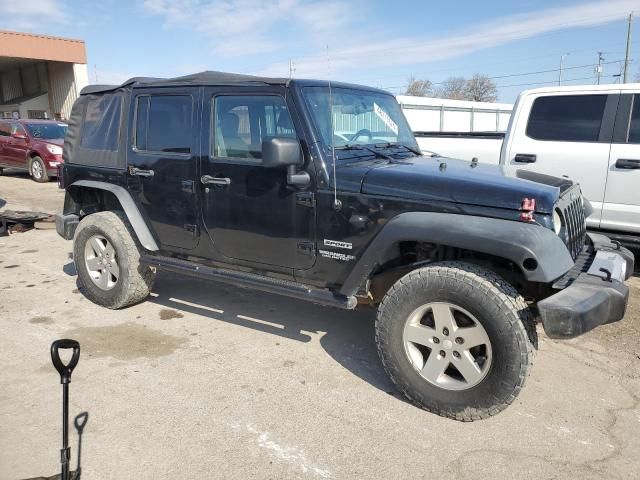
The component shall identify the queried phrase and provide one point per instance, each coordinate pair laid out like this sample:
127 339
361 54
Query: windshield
47 131
360 117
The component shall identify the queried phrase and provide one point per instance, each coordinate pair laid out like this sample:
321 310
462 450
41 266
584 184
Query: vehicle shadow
347 336
15 172
3 202
79 422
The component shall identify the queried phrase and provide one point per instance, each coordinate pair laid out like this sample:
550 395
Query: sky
372 42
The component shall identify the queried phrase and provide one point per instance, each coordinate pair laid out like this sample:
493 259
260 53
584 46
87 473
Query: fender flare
512 240
129 207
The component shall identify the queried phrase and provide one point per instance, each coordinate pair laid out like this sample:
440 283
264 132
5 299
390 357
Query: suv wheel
457 340
38 171
107 259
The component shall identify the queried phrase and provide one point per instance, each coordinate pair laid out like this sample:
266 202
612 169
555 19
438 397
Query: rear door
566 135
5 134
163 149
621 210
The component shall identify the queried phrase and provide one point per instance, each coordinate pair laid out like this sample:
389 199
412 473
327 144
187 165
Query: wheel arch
538 252
88 196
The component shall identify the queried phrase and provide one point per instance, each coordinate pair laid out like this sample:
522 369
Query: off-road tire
500 309
44 178
135 280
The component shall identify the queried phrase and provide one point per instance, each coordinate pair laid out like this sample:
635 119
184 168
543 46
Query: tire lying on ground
456 339
107 259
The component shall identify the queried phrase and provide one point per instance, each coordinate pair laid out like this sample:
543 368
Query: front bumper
595 295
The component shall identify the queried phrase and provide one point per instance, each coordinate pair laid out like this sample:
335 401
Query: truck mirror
281 152
285 152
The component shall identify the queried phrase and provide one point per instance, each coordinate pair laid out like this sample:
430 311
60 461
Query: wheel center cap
447 344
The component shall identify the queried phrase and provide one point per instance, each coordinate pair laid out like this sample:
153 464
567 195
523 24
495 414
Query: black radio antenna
337 204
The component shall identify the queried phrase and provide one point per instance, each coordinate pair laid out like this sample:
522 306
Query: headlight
557 222
54 149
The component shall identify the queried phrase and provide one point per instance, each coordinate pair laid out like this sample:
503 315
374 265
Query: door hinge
306 199
307 248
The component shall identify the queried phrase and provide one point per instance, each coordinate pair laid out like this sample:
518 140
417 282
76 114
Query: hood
457 181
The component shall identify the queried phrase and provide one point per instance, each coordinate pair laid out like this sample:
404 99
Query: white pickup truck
590 134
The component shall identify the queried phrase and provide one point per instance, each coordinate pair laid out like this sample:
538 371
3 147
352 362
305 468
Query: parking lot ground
209 381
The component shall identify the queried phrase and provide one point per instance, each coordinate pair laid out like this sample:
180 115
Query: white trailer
437 122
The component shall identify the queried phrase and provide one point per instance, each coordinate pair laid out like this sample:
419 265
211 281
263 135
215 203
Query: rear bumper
595 297
66 225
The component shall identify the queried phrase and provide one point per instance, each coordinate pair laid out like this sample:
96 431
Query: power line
538 72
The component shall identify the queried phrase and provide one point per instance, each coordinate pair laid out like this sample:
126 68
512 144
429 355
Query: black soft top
203 78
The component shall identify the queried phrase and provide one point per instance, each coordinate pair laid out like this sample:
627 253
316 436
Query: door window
241 122
634 126
163 123
17 128
567 118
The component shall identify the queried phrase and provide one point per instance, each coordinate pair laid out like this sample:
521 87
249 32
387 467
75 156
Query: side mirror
281 152
284 152
19 135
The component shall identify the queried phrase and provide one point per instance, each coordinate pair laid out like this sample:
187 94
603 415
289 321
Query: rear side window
163 123
634 126
567 118
4 130
101 123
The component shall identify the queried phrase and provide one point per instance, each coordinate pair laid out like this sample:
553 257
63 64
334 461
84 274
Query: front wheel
457 340
38 171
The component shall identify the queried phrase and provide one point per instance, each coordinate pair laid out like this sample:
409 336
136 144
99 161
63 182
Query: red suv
32 145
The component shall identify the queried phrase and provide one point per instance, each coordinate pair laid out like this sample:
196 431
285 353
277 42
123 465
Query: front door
16 149
163 148
251 214
621 209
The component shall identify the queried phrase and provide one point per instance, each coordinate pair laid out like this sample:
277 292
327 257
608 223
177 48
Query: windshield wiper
389 144
357 146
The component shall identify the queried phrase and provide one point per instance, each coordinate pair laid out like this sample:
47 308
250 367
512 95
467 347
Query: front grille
575 227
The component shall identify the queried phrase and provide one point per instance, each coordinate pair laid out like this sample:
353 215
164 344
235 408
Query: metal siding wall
11 87
63 88
30 82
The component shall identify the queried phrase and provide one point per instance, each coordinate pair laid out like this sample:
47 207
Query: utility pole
561 64
625 75
599 67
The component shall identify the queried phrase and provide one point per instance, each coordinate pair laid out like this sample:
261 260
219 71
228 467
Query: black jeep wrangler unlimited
318 191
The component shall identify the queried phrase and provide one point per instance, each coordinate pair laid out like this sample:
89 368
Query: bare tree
480 88
452 88
419 88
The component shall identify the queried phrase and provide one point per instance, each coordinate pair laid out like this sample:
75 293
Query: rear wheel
107 259
456 339
38 171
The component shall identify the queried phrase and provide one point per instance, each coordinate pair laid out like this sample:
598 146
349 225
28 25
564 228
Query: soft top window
101 123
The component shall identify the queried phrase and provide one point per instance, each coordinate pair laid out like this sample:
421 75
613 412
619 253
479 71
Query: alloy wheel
447 345
101 262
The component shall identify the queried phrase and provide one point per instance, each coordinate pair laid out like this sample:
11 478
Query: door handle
206 179
628 163
140 172
525 158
